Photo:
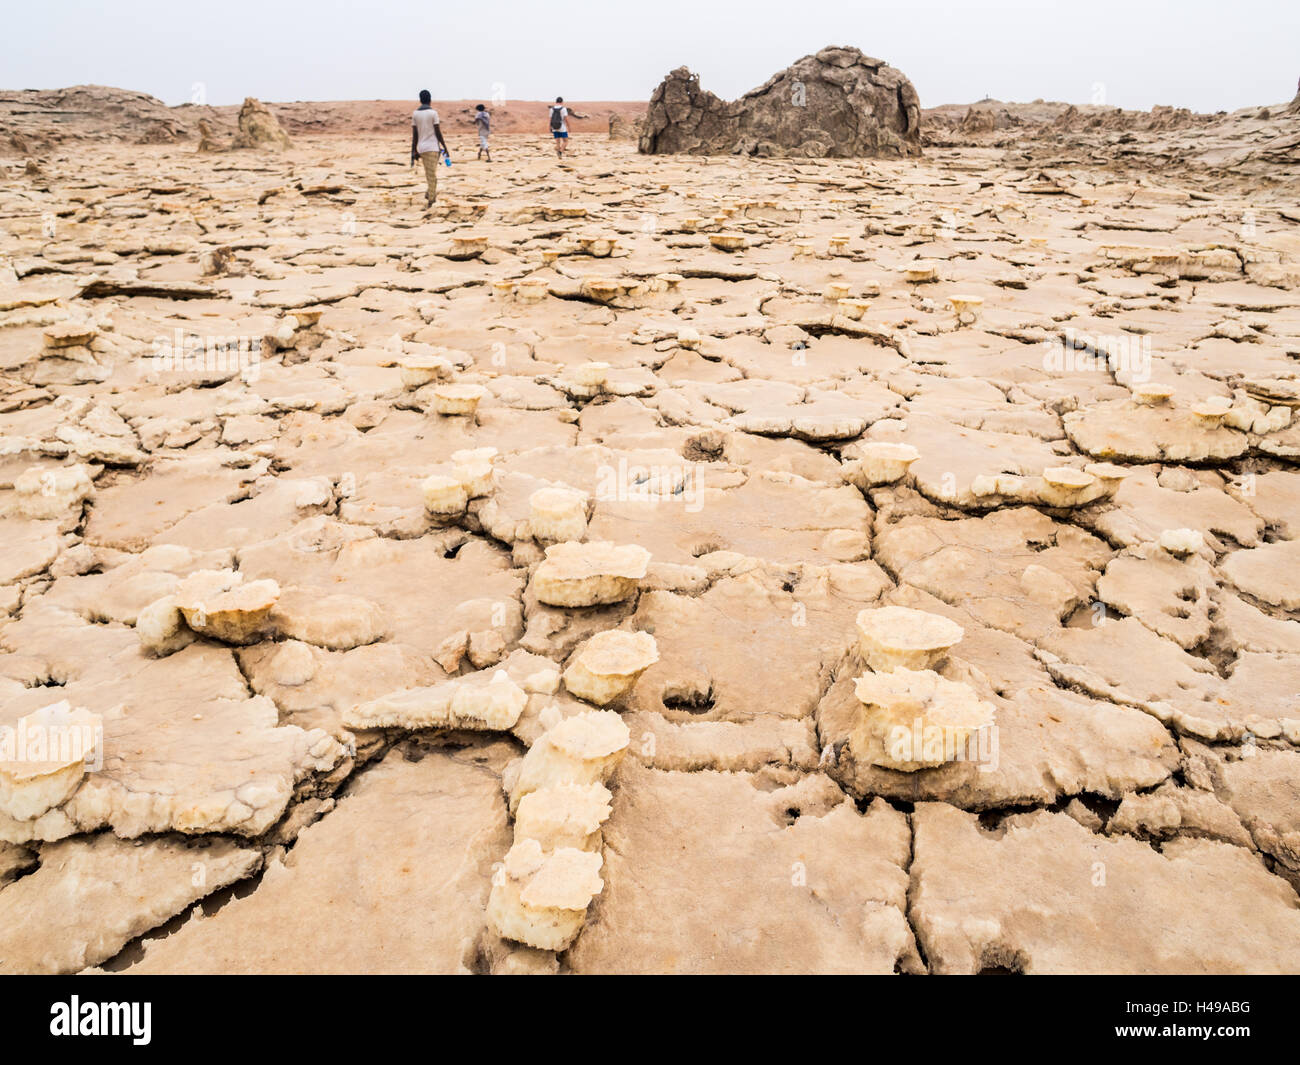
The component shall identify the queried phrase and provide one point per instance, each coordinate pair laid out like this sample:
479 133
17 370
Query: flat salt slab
1029 897
1271 573
678 842
393 880
185 747
488 699
69 334
336 622
1146 433
92 896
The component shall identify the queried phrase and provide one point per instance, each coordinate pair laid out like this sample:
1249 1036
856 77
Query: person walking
427 143
483 119
560 125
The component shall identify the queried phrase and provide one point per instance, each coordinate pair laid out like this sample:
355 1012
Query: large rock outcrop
32 120
838 103
622 128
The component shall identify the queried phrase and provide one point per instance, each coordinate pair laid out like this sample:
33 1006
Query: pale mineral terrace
331 592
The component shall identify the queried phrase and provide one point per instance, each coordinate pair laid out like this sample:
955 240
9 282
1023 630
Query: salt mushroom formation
589 574
898 637
591 374
541 899
161 629
1064 486
543 682
557 514
1058 486
582 749
559 801
293 664
473 468
69 334
598 246
915 719
1152 395
444 496
1212 411
217 603
727 241
423 369
606 290
467 246
881 462
284 332
533 289
1181 542
966 308
1109 475
565 815
606 666
457 399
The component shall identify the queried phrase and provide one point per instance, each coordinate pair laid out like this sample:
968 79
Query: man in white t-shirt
427 143
560 125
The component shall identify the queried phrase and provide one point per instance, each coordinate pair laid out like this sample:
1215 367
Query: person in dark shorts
560 125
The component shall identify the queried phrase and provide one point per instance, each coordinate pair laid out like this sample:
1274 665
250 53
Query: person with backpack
483 119
560 125
427 143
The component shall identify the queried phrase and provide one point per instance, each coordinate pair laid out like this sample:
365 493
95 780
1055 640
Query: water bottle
446 158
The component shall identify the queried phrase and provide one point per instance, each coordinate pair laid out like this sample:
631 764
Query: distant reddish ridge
31 118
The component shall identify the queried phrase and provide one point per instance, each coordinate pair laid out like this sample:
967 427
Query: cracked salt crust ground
319 774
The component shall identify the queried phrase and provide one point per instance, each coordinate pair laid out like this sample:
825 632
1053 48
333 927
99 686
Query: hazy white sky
1202 54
